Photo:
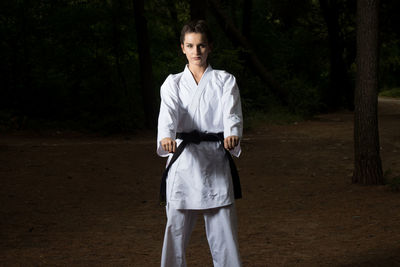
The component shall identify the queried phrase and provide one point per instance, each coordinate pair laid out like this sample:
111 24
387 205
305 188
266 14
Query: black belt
196 137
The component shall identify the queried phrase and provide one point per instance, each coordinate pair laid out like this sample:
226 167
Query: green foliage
75 63
394 184
304 99
294 47
390 63
392 181
275 115
395 92
389 67
11 120
67 64
183 10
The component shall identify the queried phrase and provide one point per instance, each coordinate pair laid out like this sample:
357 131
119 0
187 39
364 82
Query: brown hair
196 26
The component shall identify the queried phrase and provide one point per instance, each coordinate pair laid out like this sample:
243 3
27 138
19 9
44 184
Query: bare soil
70 199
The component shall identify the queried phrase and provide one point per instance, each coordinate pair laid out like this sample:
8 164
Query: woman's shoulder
224 76
173 79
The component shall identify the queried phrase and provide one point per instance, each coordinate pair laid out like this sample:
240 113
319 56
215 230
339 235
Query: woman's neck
197 72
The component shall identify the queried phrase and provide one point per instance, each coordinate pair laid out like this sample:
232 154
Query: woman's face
196 48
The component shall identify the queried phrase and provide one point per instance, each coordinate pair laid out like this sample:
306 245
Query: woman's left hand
231 141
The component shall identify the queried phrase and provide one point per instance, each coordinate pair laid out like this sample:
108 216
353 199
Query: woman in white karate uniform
199 182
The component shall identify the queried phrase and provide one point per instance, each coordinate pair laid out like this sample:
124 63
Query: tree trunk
237 38
146 71
367 164
340 91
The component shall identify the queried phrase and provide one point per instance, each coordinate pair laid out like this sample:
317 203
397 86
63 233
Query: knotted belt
197 137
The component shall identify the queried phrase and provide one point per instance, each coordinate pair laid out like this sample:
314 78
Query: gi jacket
200 178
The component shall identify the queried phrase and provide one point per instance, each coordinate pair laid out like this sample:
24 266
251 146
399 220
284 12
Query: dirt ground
69 199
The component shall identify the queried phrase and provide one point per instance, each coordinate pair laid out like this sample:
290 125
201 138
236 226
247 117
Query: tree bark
237 38
146 70
367 164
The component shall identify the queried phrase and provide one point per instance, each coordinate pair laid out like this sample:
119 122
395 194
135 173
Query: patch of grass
394 92
277 115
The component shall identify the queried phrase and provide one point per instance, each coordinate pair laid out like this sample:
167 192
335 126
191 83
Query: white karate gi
200 179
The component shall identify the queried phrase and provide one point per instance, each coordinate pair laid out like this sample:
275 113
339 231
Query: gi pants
221 231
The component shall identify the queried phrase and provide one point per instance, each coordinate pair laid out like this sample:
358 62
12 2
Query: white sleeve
168 116
232 111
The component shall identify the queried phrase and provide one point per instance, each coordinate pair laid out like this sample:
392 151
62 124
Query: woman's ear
183 50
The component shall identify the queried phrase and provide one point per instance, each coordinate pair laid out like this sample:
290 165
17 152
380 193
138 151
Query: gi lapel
194 104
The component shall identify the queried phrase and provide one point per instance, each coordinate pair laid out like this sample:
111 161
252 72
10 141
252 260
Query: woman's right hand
168 144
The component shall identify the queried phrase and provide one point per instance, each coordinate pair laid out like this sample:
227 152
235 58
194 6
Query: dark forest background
80 64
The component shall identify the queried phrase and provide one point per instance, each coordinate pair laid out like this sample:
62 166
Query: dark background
76 64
